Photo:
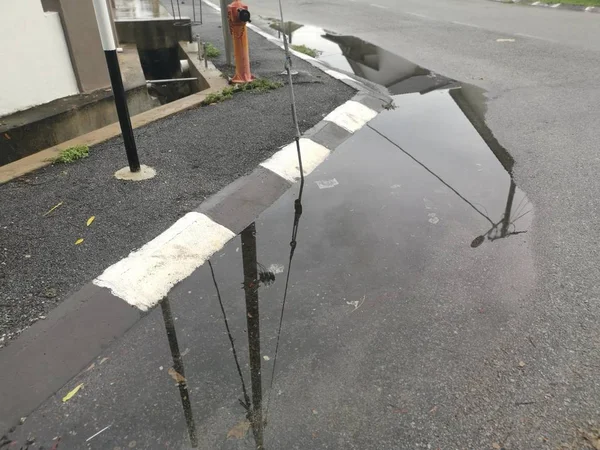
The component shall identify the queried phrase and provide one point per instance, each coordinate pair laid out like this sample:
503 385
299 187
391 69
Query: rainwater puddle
354 56
337 316
354 312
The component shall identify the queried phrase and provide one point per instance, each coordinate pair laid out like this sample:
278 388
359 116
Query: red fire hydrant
238 16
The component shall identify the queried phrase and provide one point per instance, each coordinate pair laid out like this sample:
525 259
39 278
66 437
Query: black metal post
110 52
122 110
178 367
250 264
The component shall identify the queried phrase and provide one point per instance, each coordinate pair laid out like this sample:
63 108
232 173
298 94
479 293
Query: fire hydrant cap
243 15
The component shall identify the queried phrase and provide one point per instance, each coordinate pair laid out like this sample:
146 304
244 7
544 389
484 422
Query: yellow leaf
176 375
53 208
90 220
239 431
78 241
68 397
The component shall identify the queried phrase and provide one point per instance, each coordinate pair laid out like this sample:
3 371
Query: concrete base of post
126 174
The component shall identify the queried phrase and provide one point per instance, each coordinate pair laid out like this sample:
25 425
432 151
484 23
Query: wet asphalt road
398 331
402 328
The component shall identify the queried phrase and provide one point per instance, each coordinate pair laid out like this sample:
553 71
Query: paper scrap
326 184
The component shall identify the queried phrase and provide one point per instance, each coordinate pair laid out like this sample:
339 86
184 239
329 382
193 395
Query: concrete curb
44 157
48 354
582 8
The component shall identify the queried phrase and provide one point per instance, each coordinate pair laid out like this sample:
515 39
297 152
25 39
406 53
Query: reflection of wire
235 357
297 202
432 173
524 214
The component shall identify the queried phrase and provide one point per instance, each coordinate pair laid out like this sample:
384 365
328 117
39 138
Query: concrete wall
83 40
36 67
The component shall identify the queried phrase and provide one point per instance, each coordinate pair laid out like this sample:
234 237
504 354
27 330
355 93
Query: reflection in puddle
438 124
370 62
178 372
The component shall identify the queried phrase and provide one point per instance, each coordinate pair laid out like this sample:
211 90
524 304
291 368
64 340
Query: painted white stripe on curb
285 162
338 75
351 116
144 277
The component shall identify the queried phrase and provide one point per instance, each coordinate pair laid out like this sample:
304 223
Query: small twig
531 340
101 431
524 403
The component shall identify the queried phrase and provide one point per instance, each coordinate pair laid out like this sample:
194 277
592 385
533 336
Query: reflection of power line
432 173
505 221
179 374
246 402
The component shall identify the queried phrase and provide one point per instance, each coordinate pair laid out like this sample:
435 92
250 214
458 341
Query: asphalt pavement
443 287
407 321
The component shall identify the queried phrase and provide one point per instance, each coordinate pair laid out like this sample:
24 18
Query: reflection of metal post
250 264
509 202
178 367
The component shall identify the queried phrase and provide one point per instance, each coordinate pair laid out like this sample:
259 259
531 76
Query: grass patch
258 85
72 154
211 51
574 2
307 50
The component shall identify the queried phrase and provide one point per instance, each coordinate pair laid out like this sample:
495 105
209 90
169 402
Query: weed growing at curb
72 154
211 51
258 85
307 50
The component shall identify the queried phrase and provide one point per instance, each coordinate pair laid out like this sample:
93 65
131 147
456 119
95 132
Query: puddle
354 56
400 76
357 318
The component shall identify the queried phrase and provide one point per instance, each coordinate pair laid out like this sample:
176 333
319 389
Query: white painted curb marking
285 162
144 277
351 116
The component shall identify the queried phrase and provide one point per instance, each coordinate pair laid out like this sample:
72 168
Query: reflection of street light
287 28
505 221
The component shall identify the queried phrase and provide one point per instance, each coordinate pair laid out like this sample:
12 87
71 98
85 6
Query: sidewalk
196 153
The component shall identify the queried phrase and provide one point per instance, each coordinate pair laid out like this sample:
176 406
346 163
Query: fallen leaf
239 431
53 208
78 241
496 445
68 397
103 360
266 358
6 135
522 364
433 410
90 220
176 376
90 367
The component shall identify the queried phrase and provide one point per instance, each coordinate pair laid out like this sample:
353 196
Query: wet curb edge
48 354
582 8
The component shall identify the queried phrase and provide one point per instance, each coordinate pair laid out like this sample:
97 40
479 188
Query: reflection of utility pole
251 281
179 372
509 202
226 33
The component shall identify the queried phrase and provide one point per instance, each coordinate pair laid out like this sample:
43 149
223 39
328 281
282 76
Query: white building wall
35 63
